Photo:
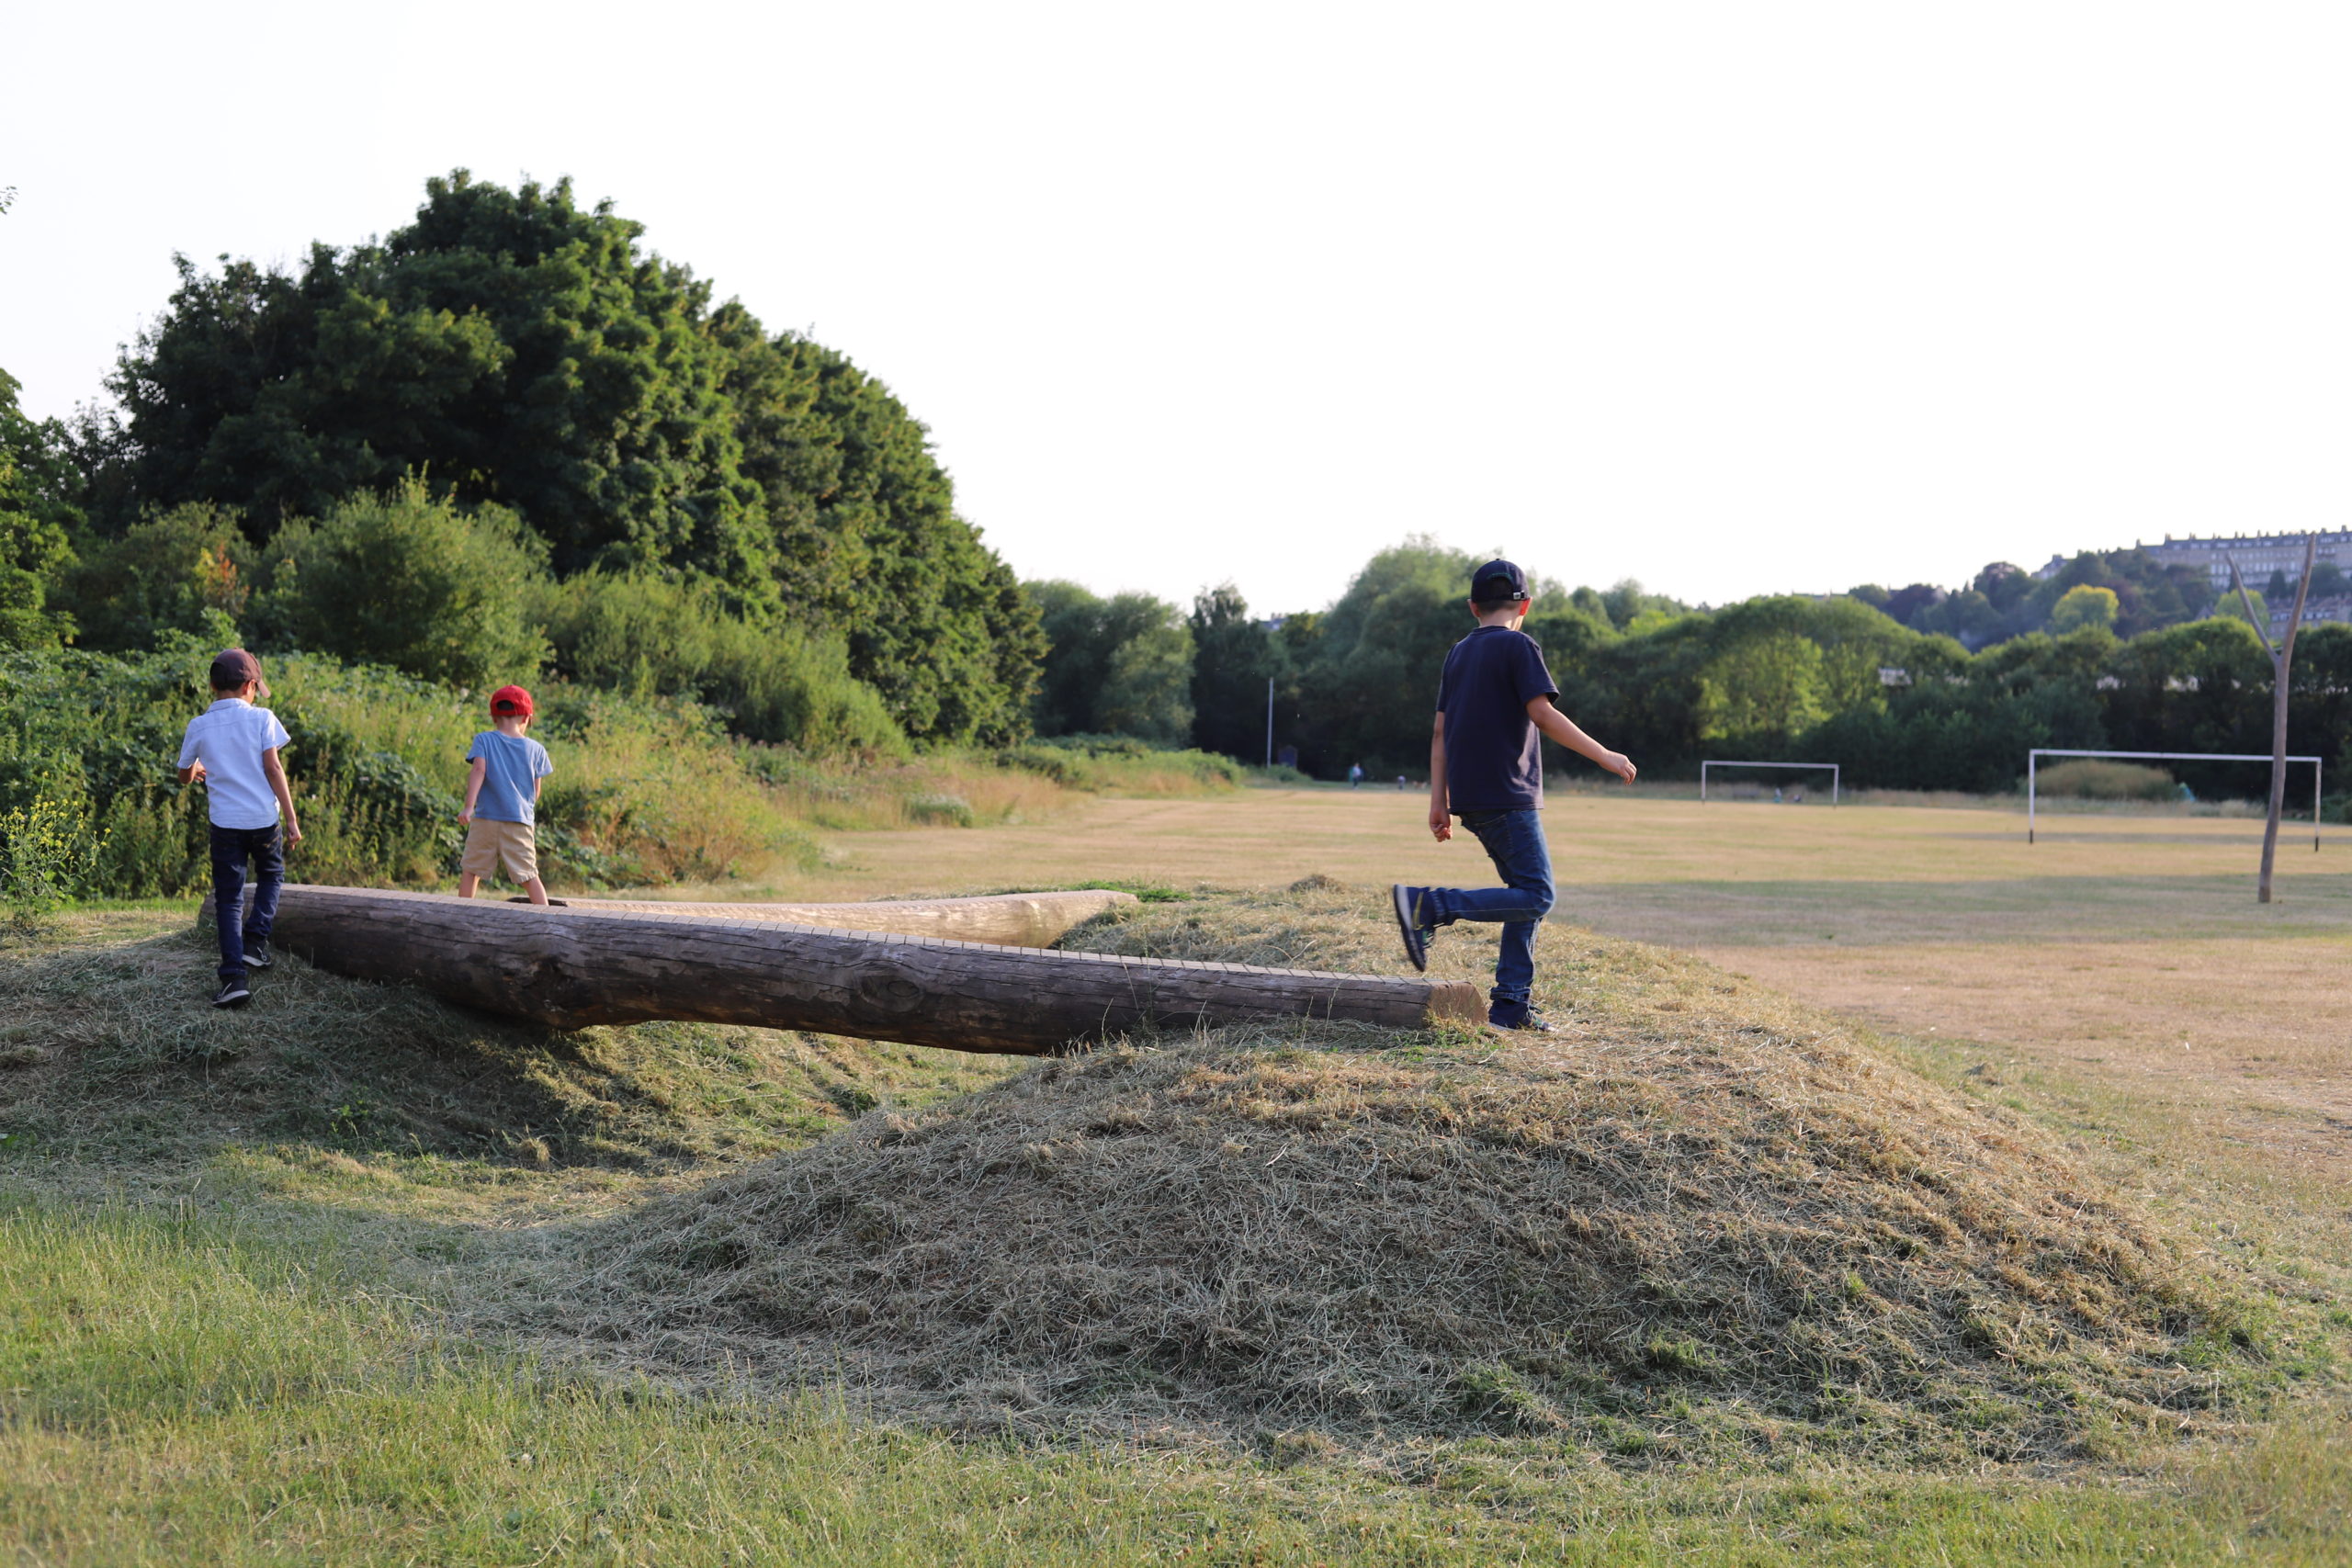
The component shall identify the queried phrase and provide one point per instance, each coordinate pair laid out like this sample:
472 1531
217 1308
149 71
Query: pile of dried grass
1699 1216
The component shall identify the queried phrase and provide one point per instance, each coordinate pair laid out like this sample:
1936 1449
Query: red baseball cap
509 702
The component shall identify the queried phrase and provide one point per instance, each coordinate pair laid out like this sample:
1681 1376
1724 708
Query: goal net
2033 771
1829 768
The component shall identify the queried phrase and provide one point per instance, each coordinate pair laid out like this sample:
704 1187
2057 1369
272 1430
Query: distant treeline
1831 679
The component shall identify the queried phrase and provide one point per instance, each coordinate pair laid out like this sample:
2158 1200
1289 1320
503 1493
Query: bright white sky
1732 297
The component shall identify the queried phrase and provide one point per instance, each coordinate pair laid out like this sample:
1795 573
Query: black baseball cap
232 669
1497 579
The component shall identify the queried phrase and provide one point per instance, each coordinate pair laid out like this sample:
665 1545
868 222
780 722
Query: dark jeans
239 930
1514 841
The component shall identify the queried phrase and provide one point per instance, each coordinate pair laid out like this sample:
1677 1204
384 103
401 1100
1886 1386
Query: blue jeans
1514 841
231 849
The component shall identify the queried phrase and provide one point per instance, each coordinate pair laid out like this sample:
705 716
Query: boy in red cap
502 798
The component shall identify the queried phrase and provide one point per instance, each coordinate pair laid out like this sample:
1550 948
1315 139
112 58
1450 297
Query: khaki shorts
488 843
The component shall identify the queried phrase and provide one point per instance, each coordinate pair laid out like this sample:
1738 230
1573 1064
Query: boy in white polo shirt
232 749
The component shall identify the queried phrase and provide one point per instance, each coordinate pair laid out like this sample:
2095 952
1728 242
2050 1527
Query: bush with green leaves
48 856
644 792
189 569
412 580
650 637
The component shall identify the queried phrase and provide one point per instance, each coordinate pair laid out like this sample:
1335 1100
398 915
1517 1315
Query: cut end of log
1456 1002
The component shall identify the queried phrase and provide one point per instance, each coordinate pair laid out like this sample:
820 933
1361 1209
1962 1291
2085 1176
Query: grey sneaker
1521 1021
258 957
1415 932
231 994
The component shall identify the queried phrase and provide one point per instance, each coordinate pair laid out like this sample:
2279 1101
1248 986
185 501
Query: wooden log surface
569 970
1006 919
1002 919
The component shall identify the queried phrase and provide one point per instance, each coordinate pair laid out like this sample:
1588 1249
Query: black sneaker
231 994
1527 1022
258 957
1416 935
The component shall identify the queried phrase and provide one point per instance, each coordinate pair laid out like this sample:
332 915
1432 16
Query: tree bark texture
569 970
1003 920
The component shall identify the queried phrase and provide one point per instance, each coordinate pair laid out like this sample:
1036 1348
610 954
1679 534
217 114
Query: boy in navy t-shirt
1494 702
502 798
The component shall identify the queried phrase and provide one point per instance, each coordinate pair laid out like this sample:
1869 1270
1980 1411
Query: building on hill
2257 555
2335 607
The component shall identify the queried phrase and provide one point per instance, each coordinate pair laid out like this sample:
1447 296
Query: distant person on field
502 798
1355 775
1493 703
232 749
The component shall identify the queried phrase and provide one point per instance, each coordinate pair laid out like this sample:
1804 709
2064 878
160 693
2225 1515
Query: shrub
187 569
407 580
647 637
2092 778
47 855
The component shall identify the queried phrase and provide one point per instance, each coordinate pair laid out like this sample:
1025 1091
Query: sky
1729 298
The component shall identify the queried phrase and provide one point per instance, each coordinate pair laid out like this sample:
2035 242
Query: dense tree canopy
513 348
1116 666
34 521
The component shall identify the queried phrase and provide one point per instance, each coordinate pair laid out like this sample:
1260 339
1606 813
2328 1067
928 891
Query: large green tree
514 348
1116 666
34 521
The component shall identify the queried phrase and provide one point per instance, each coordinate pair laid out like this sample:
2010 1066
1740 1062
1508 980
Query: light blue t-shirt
512 767
229 738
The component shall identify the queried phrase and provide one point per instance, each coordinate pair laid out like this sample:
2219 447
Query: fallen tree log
1002 919
569 970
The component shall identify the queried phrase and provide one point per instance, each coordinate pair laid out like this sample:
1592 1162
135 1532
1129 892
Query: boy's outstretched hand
1619 763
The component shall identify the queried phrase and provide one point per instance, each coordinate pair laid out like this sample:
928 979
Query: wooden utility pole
2282 662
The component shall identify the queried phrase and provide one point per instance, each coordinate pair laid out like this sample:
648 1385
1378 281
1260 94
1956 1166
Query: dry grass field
2126 949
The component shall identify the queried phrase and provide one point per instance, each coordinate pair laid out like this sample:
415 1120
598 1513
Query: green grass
182 1389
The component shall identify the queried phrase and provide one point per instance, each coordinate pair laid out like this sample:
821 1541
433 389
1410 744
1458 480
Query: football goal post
2034 768
1829 768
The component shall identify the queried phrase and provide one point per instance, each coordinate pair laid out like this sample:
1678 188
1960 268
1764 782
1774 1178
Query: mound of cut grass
111 1057
1698 1221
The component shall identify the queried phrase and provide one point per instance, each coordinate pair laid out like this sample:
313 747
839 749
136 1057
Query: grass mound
111 1057
1698 1220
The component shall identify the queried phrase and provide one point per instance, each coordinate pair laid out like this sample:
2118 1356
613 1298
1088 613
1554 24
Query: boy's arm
1555 724
473 788
1440 817
192 772
275 771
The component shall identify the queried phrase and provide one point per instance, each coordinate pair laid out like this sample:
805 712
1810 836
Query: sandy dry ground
2127 952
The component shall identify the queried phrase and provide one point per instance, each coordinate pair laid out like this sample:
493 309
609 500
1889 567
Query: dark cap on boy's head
233 669
1497 579
509 702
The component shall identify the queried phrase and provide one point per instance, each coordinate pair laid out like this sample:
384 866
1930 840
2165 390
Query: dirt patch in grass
1698 1221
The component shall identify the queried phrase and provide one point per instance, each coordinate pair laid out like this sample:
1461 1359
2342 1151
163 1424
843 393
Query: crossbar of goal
2033 766
1830 768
